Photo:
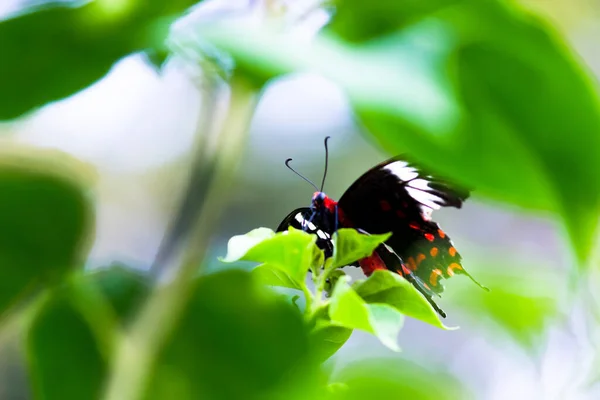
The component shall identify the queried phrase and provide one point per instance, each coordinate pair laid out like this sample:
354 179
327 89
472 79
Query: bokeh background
531 338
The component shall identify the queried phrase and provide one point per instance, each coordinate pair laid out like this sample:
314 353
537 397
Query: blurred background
530 339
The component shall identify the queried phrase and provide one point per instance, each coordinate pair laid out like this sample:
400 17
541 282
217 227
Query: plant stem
137 351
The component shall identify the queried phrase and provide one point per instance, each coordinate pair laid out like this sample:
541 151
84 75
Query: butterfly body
398 197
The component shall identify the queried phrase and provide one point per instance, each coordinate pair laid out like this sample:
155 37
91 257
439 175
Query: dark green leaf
71 338
386 287
59 49
65 360
351 246
234 341
45 221
347 309
124 287
357 20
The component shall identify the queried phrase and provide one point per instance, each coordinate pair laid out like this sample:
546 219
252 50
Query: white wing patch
311 227
402 170
417 187
425 198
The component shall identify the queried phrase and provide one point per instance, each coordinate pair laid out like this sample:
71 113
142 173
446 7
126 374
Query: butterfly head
320 201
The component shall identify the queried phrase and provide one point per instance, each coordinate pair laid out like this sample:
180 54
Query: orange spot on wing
433 278
420 258
429 237
433 251
452 267
385 206
412 265
441 233
452 251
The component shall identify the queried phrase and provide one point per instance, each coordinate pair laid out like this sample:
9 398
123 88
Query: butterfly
396 196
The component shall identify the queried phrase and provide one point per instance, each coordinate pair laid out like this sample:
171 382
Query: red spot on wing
385 206
400 214
429 237
433 251
414 225
405 270
452 251
371 264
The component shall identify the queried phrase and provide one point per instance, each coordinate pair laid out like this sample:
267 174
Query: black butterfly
395 196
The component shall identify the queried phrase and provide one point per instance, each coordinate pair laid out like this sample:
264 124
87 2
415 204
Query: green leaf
464 90
347 309
351 246
235 340
65 360
46 220
395 379
327 339
358 21
124 287
70 340
274 276
238 246
56 50
386 287
292 251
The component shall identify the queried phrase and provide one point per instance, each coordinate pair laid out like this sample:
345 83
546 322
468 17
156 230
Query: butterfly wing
302 219
398 196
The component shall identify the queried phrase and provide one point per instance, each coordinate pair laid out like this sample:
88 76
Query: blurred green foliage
478 91
46 218
51 51
482 92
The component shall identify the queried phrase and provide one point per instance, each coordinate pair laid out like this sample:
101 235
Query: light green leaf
350 246
387 378
291 251
274 276
347 309
238 246
327 339
386 287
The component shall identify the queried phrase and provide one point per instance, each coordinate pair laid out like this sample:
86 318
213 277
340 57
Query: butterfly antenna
287 164
326 163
